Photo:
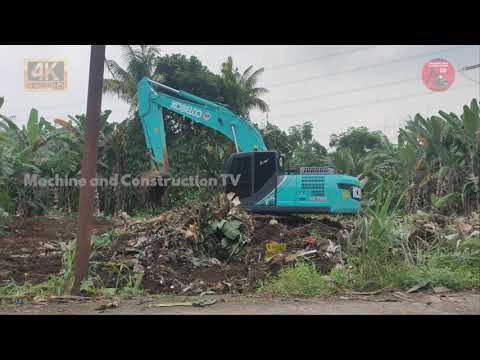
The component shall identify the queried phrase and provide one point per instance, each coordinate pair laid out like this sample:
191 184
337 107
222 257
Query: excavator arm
215 116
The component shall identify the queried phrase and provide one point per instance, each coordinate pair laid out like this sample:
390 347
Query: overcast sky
334 87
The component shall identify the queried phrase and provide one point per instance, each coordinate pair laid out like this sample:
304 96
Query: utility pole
89 164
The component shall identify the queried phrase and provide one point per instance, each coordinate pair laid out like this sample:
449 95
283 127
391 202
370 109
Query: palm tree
242 87
141 61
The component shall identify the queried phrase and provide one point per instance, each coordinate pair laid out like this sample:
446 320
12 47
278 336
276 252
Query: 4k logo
45 75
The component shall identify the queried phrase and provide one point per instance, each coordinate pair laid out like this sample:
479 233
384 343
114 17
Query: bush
3 219
301 280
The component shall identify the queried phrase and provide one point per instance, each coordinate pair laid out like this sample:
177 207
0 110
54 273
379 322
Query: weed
3 220
13 291
88 288
68 262
131 292
300 280
453 271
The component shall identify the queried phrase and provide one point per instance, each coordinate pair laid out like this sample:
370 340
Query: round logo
206 116
438 75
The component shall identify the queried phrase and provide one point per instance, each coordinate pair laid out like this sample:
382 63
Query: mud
30 251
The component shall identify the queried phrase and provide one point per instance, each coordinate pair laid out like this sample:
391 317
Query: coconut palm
241 88
141 61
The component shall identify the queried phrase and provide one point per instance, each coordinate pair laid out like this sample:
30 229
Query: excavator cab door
255 169
240 165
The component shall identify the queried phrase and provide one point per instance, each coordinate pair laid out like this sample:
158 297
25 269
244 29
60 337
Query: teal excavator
263 185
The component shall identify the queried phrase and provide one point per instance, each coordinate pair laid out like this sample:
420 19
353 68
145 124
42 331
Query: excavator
264 186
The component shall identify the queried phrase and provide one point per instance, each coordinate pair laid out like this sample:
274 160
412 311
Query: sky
334 87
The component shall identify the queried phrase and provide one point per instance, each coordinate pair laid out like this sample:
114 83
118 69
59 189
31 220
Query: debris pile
427 228
218 247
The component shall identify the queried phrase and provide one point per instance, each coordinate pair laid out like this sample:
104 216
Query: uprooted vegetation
217 248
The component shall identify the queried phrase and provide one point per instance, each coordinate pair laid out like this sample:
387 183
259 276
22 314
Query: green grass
300 280
27 291
439 271
303 280
3 220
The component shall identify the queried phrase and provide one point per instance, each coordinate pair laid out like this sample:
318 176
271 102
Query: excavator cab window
265 167
241 165
254 168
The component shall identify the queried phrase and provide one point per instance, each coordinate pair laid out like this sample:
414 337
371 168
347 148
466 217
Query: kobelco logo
188 109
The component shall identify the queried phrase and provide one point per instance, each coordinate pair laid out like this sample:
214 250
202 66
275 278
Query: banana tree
26 150
74 135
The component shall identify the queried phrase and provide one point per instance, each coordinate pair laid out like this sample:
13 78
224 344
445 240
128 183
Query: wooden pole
89 164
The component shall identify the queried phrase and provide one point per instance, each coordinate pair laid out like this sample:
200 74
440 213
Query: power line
375 86
365 67
385 100
471 67
319 58
342 92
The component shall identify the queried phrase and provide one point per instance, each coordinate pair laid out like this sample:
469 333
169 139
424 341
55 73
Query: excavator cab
254 169
264 186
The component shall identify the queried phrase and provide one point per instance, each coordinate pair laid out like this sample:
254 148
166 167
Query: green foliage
297 145
306 151
277 139
359 140
68 262
223 239
88 288
13 291
129 292
441 202
3 220
141 61
470 244
402 276
240 89
436 162
189 74
300 280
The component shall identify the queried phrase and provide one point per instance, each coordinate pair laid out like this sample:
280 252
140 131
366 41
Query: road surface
393 303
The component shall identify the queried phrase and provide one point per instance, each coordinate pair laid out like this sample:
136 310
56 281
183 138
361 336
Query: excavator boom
215 116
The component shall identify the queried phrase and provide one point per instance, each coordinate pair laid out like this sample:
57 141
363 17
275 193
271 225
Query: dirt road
396 303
